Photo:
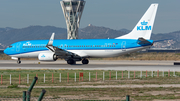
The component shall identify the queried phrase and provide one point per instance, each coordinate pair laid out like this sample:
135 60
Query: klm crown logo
144 23
43 56
144 26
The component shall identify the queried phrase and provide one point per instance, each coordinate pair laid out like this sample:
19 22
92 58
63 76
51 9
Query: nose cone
6 51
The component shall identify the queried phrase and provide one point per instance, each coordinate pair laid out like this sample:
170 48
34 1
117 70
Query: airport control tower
72 10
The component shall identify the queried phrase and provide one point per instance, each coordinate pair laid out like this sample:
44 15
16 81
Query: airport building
72 10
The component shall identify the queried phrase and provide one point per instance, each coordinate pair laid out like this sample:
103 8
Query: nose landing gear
18 61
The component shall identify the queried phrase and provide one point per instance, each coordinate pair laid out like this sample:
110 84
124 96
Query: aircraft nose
6 51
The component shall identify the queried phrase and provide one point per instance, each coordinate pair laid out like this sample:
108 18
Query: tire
85 61
71 61
18 62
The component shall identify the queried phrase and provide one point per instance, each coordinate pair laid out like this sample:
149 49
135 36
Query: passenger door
123 46
18 47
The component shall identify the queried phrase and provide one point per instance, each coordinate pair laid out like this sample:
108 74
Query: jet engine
47 57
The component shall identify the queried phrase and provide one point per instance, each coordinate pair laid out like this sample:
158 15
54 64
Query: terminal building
72 10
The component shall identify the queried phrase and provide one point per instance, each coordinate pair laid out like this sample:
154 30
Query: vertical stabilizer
144 26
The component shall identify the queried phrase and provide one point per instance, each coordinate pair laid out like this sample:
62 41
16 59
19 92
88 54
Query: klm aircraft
82 49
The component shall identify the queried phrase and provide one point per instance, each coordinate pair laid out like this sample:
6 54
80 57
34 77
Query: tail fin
144 26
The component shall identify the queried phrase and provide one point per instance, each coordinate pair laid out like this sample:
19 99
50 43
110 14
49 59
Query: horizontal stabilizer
143 41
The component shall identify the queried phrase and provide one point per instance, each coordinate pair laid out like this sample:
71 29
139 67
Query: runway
93 65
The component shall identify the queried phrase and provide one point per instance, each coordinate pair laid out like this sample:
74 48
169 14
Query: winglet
50 43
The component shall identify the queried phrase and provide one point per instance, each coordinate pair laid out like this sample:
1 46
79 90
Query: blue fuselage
31 46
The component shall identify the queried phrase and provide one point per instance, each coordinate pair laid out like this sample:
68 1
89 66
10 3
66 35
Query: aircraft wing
61 53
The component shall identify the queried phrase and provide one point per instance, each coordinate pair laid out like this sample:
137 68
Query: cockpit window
10 46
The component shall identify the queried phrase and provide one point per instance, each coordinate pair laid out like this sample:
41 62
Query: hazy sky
115 14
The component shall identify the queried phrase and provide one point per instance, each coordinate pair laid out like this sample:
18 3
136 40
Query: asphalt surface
93 65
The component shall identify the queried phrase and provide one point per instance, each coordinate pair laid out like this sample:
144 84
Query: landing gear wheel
85 61
71 61
18 61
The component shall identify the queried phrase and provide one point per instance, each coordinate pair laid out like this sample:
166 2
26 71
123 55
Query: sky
114 14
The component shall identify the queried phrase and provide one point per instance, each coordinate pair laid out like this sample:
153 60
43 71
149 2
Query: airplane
82 49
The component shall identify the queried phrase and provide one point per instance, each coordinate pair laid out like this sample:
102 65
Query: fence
82 76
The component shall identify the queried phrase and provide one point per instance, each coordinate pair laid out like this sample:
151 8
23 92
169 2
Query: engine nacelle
47 57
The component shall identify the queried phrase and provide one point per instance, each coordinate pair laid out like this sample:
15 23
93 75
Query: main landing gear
18 61
85 61
71 61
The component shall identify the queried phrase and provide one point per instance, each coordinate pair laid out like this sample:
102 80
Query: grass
136 94
13 86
